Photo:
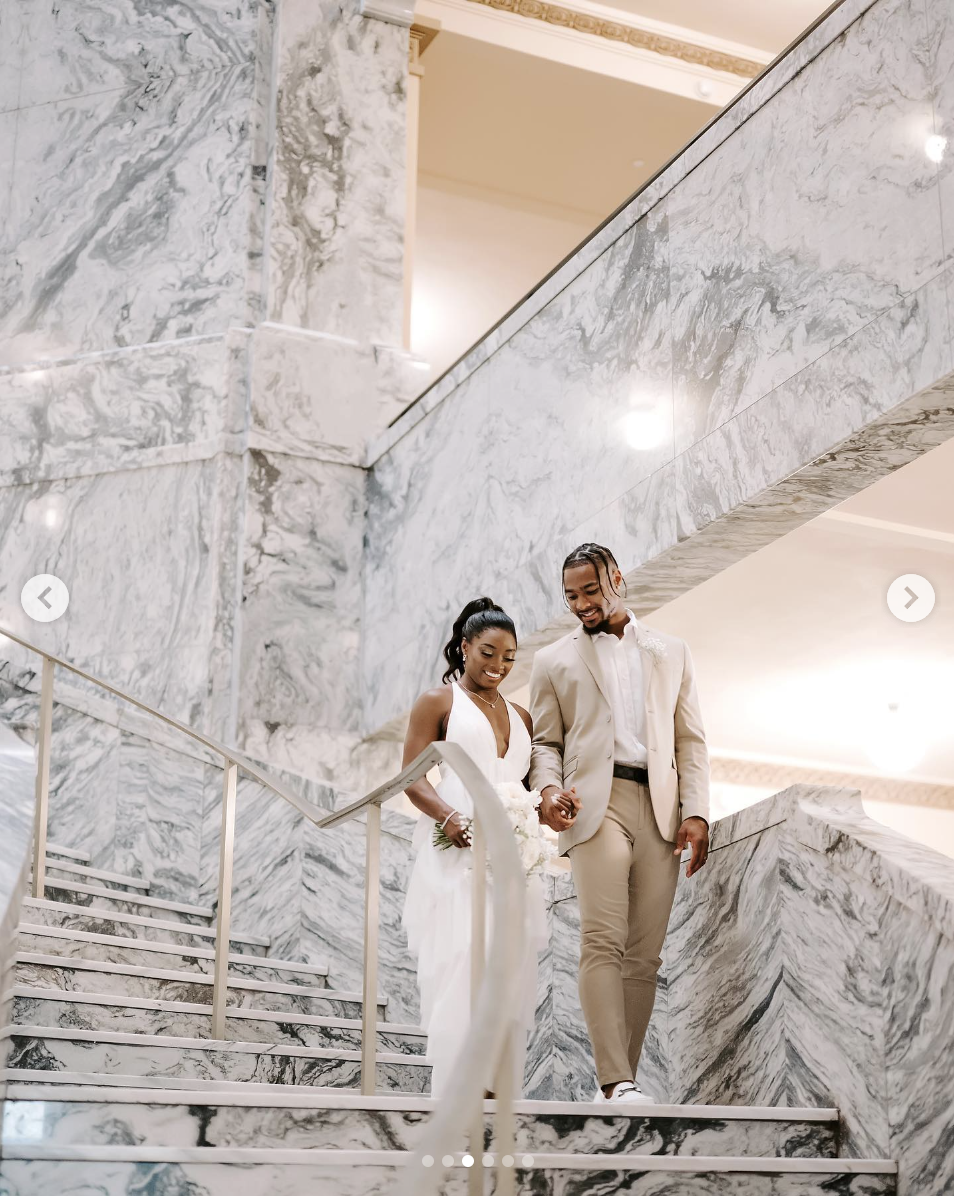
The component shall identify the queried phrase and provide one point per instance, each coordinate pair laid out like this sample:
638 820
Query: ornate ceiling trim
640 39
779 776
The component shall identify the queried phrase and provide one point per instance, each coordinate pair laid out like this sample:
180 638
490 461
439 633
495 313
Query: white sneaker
623 1094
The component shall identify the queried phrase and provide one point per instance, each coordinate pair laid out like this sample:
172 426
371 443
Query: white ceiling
536 129
796 650
765 24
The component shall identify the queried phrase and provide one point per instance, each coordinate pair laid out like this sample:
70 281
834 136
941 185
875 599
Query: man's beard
600 627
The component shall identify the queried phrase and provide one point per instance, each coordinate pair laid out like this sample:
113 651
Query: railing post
42 808
504 1130
478 955
372 903
220 984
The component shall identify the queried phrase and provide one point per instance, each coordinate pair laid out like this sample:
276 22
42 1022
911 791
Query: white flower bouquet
520 804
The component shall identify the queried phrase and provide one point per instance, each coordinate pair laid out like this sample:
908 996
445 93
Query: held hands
693 833
558 808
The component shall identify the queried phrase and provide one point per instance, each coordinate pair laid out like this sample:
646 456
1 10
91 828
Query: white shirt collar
630 629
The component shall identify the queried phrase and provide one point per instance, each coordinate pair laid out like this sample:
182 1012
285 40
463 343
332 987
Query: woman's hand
457 829
558 807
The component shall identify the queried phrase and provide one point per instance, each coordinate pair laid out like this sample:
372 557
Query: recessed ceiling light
639 162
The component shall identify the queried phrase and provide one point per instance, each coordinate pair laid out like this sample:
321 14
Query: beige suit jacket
573 735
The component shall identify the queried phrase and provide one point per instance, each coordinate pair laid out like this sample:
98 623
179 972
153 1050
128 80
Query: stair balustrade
486 1057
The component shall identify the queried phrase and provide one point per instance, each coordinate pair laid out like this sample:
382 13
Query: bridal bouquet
520 805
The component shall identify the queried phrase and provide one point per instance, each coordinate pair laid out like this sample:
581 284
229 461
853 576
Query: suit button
609 755
609 718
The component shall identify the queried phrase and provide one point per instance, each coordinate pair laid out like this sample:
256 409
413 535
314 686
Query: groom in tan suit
619 756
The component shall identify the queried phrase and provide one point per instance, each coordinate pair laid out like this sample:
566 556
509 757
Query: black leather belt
631 772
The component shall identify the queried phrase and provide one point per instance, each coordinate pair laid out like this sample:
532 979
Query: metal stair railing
486 1058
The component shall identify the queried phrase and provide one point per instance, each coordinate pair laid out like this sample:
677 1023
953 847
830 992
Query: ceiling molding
636 35
598 38
734 770
909 531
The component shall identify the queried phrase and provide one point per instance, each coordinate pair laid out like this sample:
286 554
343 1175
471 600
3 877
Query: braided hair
602 561
477 616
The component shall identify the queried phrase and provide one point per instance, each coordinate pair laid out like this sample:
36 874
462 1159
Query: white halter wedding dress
437 911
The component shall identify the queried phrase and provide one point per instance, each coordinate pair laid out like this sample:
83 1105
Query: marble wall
811 963
200 326
774 295
149 804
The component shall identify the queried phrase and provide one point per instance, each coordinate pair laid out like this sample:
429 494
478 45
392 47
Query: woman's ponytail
477 616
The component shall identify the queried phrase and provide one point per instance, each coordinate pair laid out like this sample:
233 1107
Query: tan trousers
625 878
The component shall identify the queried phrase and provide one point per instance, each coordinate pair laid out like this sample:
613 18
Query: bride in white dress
496 734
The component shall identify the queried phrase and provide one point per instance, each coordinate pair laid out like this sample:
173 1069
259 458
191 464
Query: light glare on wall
935 146
896 741
645 427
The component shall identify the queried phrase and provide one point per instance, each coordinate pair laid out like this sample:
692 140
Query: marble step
102 920
67 853
106 1011
40 1170
157 1056
74 892
36 970
68 870
66 945
300 1119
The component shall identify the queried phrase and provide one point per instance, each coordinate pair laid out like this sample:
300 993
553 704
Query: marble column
326 369
201 231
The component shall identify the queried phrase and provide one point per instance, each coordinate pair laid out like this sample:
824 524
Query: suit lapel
587 650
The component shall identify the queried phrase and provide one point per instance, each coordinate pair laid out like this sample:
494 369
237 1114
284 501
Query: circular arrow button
45 598
911 598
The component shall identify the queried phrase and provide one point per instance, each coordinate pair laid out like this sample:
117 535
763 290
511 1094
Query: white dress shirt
623 677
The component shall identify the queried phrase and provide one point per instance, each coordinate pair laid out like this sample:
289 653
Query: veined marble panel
101 45
301 608
17 781
323 396
601 346
8 137
267 875
776 256
336 230
316 1127
194 990
129 216
275 1064
918 999
11 53
726 124
41 1178
941 46
833 978
143 616
332 915
20 1178
108 411
159 818
859 936
728 1048
861 380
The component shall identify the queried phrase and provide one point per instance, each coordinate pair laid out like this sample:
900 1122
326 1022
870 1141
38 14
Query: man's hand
693 833
559 808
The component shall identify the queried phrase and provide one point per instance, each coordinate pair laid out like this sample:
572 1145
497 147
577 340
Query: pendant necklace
492 705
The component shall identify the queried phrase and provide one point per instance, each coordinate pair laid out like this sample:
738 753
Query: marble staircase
114 1085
